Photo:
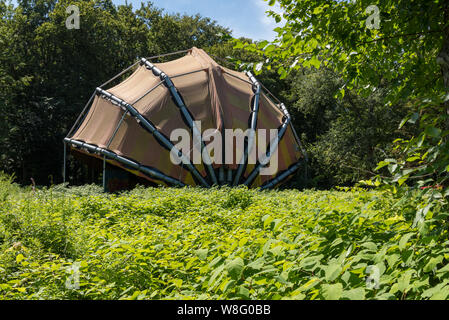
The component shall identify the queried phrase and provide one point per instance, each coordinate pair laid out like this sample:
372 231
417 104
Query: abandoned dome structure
136 125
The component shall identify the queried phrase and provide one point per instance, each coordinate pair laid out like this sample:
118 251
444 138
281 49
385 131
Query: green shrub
163 243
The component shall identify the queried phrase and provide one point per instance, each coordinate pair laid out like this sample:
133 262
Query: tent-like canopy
131 125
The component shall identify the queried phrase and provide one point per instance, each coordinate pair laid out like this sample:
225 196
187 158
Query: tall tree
401 46
48 72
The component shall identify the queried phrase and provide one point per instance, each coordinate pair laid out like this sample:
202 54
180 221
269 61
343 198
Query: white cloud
268 22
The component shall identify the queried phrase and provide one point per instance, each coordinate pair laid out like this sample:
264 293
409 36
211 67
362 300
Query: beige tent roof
130 123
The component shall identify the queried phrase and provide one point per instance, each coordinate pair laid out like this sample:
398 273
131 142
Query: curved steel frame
146 124
273 182
127 162
273 147
180 104
253 125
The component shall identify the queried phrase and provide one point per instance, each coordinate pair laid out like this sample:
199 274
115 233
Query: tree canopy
398 47
48 72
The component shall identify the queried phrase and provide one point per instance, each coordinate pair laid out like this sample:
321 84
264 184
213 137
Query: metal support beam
120 74
64 170
229 177
221 175
155 174
116 129
196 133
266 159
169 54
155 132
281 177
253 125
104 174
284 110
298 141
281 106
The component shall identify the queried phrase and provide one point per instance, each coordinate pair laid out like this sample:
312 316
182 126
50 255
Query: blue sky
246 18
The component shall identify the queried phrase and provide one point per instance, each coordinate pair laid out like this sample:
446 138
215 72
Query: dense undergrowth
77 243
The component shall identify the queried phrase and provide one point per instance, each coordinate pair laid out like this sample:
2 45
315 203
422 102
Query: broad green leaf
315 62
229 285
354 294
381 165
257 264
244 292
392 259
432 131
441 294
404 281
332 291
404 240
332 271
202 253
235 268
19 258
444 269
370 245
433 263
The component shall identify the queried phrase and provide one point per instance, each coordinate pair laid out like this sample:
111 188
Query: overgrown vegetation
347 86
219 244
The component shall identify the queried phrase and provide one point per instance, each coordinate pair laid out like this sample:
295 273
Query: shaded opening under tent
128 126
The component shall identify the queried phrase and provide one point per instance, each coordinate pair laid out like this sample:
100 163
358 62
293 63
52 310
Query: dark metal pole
249 146
116 129
127 162
168 54
229 177
155 132
65 163
221 176
281 177
104 174
273 147
196 133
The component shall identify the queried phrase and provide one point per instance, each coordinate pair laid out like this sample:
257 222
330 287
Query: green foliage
422 160
402 52
61 243
345 138
407 57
